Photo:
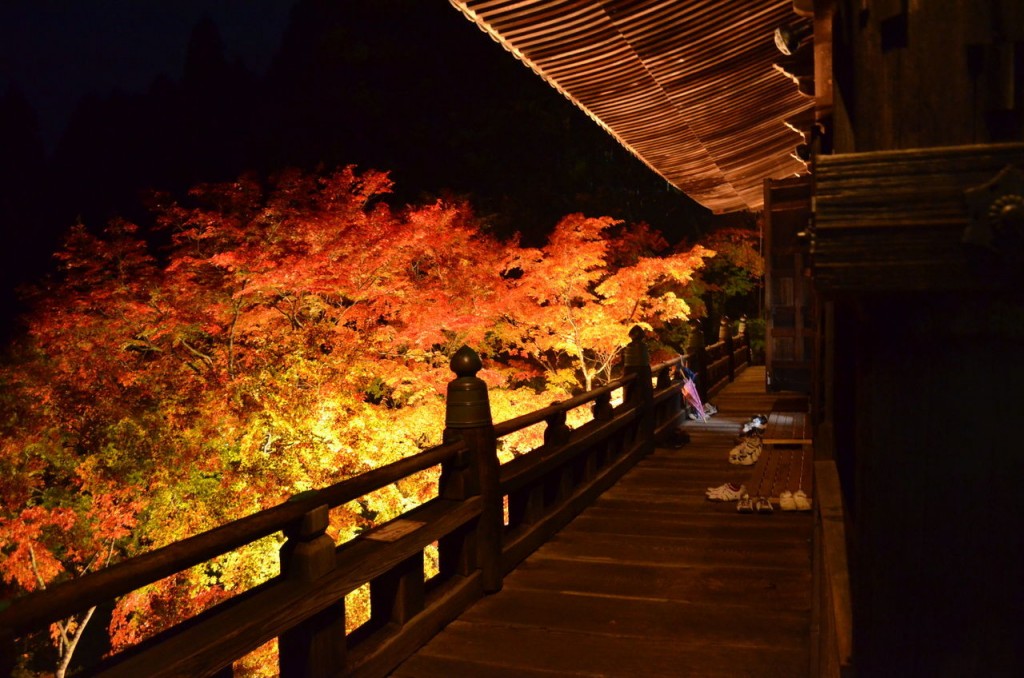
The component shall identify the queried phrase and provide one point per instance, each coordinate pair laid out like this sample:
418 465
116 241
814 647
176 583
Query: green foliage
730 282
756 332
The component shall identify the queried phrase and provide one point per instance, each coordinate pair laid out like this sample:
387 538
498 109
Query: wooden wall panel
916 74
896 220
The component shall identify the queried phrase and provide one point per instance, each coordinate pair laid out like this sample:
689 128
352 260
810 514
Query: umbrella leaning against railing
693 396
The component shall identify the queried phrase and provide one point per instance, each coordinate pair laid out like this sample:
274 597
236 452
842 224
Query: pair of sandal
746 453
794 501
759 505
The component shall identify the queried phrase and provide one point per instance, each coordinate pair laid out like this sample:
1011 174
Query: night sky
59 50
106 100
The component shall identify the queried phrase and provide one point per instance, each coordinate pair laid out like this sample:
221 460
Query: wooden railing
717 364
304 606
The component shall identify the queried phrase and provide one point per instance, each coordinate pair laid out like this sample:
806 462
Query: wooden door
790 335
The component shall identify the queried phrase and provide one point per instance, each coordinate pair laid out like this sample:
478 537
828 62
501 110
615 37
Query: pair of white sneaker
794 501
746 453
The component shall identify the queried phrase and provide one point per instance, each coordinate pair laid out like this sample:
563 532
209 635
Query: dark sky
56 51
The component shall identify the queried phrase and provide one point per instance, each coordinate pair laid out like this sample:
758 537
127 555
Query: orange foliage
274 337
573 307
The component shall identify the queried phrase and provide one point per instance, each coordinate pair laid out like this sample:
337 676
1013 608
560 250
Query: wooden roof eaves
693 105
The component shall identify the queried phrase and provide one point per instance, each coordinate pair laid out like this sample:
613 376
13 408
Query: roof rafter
687 86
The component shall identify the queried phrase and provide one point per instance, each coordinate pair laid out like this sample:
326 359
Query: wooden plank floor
652 580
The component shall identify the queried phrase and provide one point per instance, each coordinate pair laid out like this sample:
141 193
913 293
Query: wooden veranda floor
652 580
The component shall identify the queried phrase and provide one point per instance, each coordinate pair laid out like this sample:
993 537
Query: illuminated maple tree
286 336
270 337
576 298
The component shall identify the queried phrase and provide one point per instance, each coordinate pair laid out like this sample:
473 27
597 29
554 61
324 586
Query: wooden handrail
70 597
544 489
537 416
717 364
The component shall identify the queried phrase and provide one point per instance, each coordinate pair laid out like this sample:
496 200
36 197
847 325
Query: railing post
743 334
316 647
725 336
664 377
602 409
699 359
399 594
468 416
641 392
556 432
670 375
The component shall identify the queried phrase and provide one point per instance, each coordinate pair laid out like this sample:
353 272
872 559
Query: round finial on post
465 362
467 405
723 328
695 341
741 329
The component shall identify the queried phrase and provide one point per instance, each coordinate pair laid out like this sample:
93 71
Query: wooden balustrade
717 364
304 606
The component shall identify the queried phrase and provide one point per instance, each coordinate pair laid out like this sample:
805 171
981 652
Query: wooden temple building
882 141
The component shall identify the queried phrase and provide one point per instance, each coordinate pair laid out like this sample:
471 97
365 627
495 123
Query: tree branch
61 625
70 650
236 312
197 353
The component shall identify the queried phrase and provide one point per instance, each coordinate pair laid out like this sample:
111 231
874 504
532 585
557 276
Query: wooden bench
787 457
787 428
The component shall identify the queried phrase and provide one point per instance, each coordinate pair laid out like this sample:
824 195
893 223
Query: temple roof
688 86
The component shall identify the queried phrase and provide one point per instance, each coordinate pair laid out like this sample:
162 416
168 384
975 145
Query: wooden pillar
468 416
316 647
